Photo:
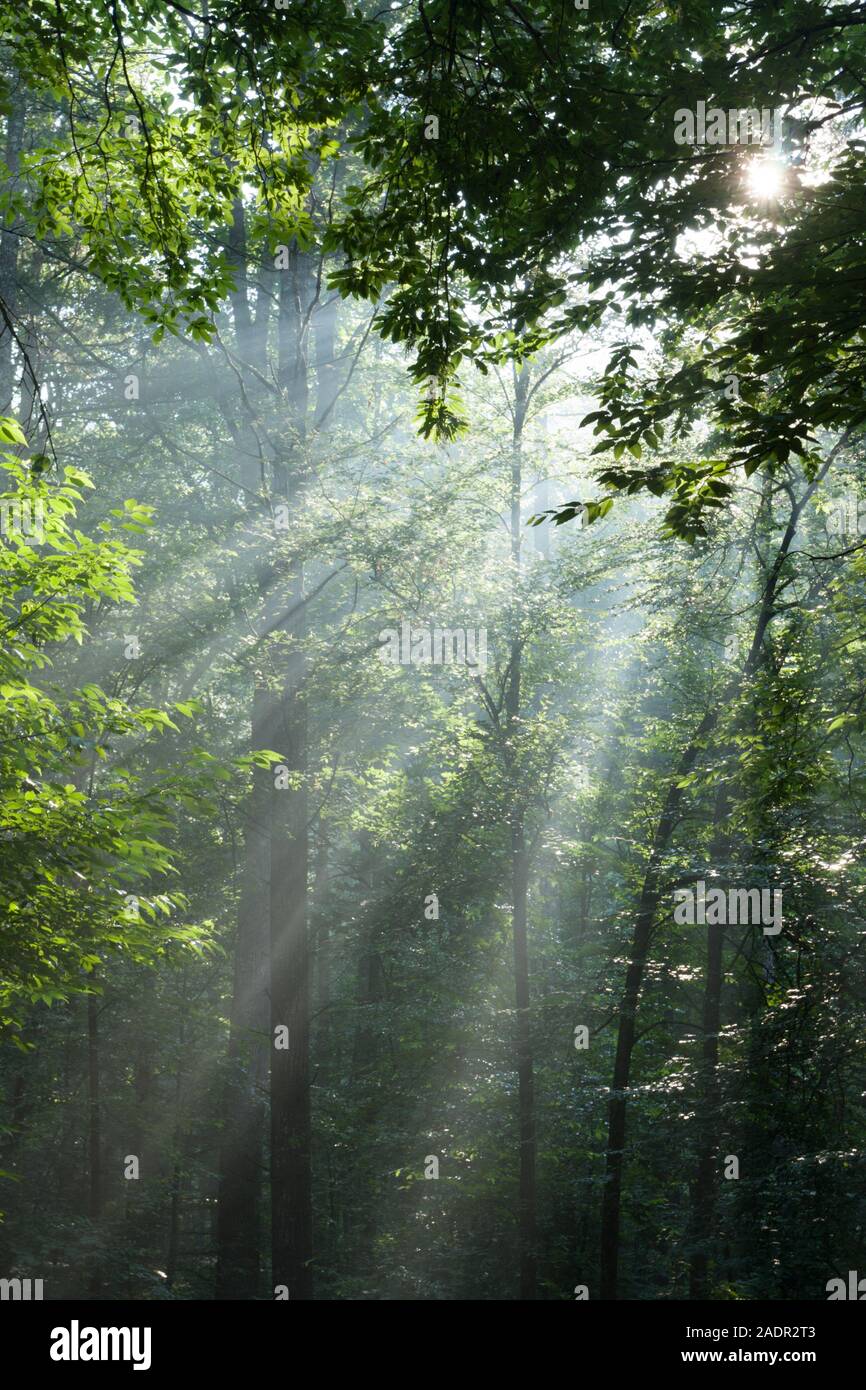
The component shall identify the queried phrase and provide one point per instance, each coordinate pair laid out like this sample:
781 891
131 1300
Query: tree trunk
704 1189
323 954
708 1102
525 1077
94 1132
9 242
647 905
241 1161
179 1159
327 373
291 1179
291 1175
94 1138
527 1197
238 1212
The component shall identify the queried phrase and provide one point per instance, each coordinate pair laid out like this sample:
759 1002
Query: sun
765 178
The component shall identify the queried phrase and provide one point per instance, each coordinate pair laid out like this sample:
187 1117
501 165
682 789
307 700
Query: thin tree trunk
94 1131
704 1190
708 1105
647 905
291 1178
9 242
291 1173
94 1138
323 954
368 990
527 1196
179 1162
241 1157
525 1075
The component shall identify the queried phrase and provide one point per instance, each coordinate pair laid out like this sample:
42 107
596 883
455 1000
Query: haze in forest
432 763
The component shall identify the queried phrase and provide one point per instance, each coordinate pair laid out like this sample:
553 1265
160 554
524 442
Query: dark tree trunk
242 1152
370 984
241 1162
706 1174
179 1160
647 905
323 954
94 1135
